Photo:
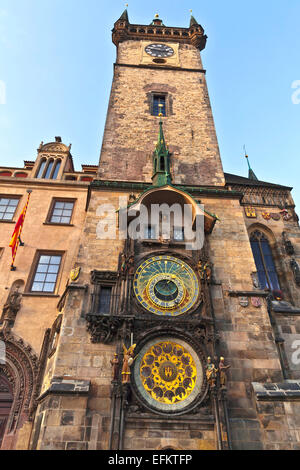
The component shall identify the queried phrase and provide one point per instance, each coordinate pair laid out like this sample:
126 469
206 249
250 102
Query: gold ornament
168 372
74 274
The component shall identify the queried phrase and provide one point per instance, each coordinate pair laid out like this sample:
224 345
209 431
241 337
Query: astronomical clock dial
165 285
159 50
168 374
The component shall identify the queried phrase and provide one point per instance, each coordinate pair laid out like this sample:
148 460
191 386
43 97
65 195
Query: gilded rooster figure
128 360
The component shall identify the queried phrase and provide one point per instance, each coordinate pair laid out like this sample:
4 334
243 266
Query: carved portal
19 370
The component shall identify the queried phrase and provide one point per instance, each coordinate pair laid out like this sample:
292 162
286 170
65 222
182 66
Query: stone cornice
164 67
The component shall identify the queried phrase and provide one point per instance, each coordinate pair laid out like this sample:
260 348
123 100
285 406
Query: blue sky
56 61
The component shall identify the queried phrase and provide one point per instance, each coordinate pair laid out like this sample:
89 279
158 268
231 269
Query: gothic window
105 299
49 169
159 105
264 261
61 212
46 273
41 168
162 163
8 206
56 169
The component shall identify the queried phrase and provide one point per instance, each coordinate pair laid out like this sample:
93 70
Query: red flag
16 236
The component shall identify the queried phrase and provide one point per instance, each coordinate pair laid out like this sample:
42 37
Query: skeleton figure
127 363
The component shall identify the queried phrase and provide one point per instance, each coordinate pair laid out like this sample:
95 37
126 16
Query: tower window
105 299
264 261
159 105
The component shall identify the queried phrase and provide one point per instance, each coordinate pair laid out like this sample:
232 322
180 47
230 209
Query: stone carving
103 329
285 215
244 301
296 271
211 373
127 264
20 369
204 271
289 248
127 363
255 280
222 372
10 309
256 302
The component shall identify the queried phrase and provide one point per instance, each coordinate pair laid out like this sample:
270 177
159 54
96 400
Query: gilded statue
128 360
211 373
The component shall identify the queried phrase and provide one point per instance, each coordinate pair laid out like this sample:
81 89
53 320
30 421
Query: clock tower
149 314
159 64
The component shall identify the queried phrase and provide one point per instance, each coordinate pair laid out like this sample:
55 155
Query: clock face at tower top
165 285
159 50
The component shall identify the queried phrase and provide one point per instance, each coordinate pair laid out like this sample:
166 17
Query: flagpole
19 242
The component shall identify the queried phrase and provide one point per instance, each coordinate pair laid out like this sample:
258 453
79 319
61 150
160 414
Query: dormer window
49 169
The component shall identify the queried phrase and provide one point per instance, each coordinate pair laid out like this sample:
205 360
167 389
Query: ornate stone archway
19 371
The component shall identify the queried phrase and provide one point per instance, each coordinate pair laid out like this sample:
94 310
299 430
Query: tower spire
124 16
193 21
251 174
161 159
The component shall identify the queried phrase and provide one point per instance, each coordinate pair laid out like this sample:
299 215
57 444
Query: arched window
41 168
49 169
56 169
264 261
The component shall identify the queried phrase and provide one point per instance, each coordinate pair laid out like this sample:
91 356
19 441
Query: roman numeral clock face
159 50
165 285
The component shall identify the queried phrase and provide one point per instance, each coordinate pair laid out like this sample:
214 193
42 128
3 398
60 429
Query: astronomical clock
168 372
166 286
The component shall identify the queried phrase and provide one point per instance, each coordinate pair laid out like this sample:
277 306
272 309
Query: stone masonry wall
131 131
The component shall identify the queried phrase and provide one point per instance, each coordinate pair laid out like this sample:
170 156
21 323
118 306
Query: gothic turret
161 161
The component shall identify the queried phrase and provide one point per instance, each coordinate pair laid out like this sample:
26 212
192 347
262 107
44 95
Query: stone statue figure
11 308
296 271
115 368
211 373
127 363
222 371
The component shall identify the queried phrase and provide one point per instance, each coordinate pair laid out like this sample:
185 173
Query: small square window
8 208
179 234
61 212
46 273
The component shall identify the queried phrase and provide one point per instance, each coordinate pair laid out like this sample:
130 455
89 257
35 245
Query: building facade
157 340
